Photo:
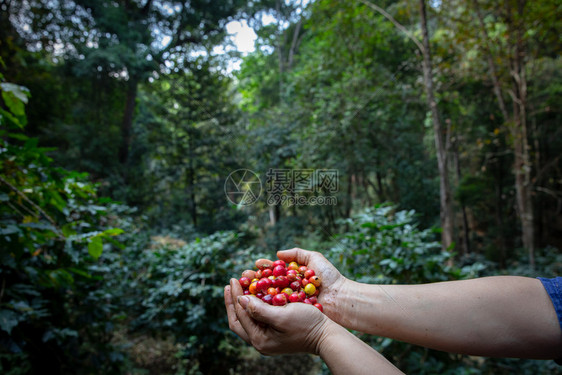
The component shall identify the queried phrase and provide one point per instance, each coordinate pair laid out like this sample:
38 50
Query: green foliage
178 291
192 121
385 245
331 84
52 232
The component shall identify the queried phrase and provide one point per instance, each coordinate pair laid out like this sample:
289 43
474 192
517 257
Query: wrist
326 339
342 305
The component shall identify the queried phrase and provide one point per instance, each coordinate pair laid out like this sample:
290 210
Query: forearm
496 316
346 354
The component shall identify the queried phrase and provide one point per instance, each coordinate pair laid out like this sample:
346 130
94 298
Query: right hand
293 328
333 282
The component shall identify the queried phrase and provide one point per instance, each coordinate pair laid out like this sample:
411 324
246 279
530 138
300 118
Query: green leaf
18 91
21 137
116 243
57 201
67 230
14 105
113 232
8 320
10 118
80 272
9 229
95 247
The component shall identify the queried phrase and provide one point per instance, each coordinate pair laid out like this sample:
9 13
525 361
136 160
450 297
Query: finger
261 311
235 292
233 322
300 256
235 289
253 328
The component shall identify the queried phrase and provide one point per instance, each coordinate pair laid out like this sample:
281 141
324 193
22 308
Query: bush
171 288
53 230
384 245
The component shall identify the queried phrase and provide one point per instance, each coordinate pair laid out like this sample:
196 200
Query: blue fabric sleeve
554 289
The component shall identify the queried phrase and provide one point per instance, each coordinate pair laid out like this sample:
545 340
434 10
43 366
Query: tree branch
294 44
398 25
490 60
33 204
544 169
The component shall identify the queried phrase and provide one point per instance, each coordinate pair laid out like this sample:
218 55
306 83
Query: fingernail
243 301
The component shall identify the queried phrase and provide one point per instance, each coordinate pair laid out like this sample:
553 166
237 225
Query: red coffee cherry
294 297
244 282
279 271
278 284
280 299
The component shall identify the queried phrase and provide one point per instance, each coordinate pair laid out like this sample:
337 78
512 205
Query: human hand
293 328
334 284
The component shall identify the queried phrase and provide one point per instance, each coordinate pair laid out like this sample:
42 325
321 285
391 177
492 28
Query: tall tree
128 40
514 16
441 134
186 129
441 139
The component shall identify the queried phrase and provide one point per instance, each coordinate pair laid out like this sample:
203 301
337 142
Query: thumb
259 310
301 256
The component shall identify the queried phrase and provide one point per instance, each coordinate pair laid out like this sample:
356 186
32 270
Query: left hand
293 328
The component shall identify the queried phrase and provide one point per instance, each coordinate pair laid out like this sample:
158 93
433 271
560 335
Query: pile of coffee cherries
278 283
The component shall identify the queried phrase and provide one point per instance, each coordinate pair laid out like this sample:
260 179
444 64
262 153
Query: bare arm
345 354
298 327
502 316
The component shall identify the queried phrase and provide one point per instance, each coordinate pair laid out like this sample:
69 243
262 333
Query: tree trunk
466 231
523 165
294 44
499 217
446 206
517 121
280 49
349 195
127 124
380 190
191 181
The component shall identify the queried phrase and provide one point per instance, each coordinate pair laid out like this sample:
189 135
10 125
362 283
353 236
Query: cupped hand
293 328
334 284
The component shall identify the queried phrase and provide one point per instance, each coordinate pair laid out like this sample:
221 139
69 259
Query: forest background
433 127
